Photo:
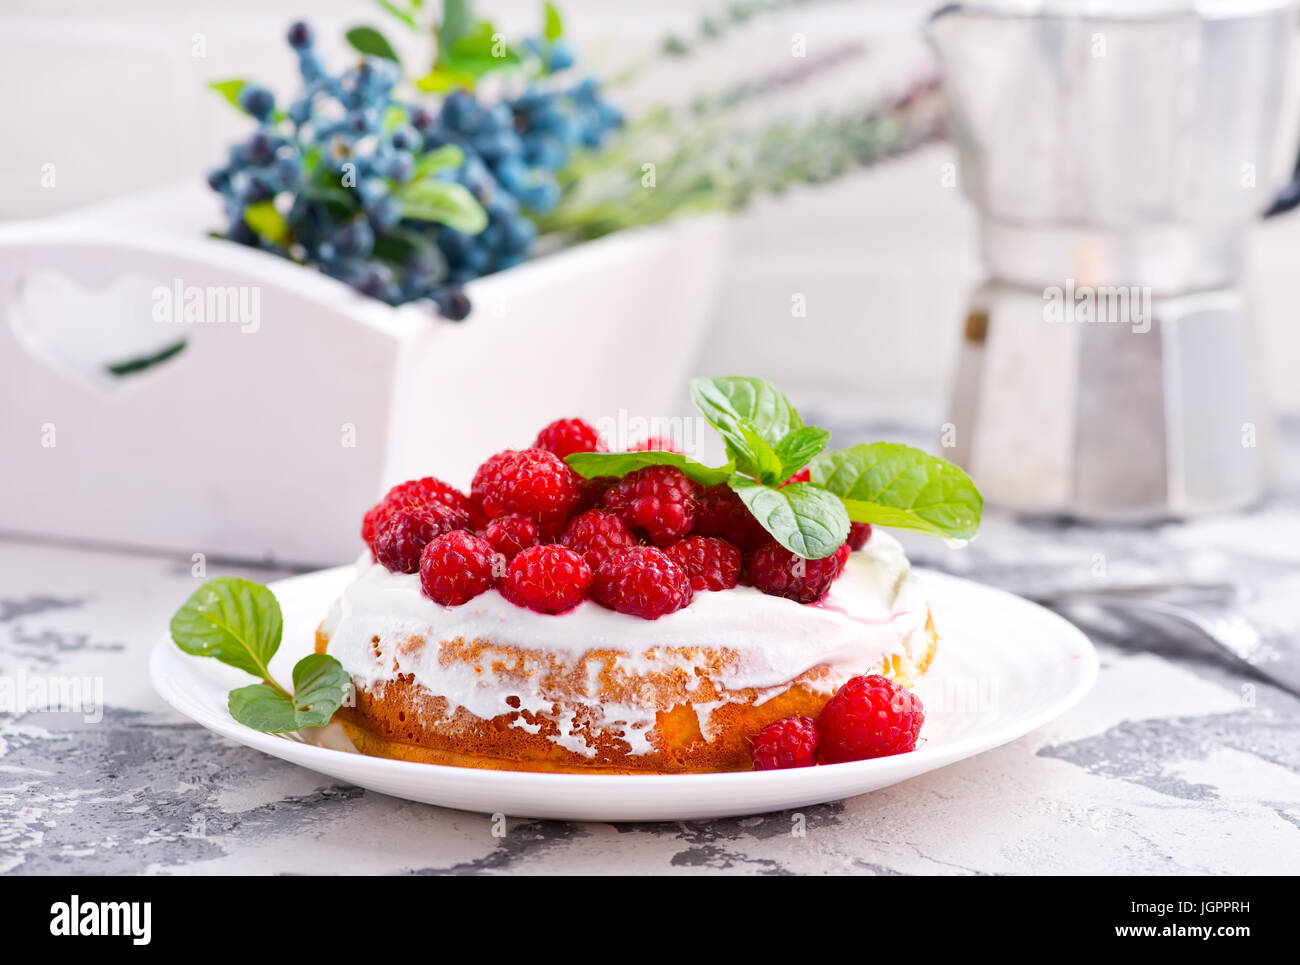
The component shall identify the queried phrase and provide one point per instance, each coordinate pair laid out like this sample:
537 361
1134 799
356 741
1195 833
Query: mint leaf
406 17
731 401
368 40
478 51
239 623
439 159
235 621
889 484
442 79
756 458
798 447
262 707
807 521
590 465
267 222
229 89
456 21
763 432
392 118
443 202
554 25
320 685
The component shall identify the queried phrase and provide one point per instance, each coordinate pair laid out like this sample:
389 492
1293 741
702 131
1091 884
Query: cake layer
492 684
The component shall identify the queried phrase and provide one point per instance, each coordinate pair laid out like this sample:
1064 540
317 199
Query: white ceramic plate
1004 667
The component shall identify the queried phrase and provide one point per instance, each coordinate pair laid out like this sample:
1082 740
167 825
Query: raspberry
511 533
711 563
803 475
659 499
404 533
597 535
548 579
550 531
859 533
788 742
456 567
778 572
567 436
591 492
642 581
477 487
476 513
870 716
408 495
534 482
477 518
722 514
656 444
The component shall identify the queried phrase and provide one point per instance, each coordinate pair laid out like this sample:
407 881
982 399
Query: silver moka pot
1117 160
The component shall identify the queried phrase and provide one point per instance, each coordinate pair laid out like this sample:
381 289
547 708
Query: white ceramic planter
266 438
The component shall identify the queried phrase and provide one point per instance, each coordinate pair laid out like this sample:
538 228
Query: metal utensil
1213 611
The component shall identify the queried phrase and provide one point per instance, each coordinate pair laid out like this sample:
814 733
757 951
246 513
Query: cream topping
875 609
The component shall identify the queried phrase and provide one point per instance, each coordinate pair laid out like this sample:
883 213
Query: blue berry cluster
336 178
512 150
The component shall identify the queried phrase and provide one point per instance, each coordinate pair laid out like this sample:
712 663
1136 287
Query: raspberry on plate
512 533
859 533
567 436
404 534
721 513
410 494
591 491
478 486
534 482
870 716
778 572
711 563
661 500
456 567
548 579
641 581
788 742
597 535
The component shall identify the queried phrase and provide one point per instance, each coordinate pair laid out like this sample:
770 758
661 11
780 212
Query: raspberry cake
645 624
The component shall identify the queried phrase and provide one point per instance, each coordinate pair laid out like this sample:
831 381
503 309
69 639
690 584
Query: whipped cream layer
874 610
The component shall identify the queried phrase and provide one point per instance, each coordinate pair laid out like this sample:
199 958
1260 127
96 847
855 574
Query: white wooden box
268 440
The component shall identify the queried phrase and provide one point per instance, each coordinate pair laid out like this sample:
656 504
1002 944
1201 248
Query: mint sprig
888 484
798 447
804 519
553 23
767 442
442 202
591 465
369 41
753 418
315 697
238 622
